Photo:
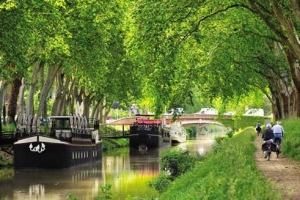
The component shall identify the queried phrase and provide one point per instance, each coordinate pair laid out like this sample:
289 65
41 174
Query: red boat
148 133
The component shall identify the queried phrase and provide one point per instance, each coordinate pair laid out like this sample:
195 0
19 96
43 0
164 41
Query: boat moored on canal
70 142
147 133
177 134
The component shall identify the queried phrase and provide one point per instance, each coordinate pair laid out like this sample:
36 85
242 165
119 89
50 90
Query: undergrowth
228 172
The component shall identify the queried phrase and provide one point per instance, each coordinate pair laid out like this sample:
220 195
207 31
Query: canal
126 170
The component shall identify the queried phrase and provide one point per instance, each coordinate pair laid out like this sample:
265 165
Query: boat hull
177 139
149 140
44 152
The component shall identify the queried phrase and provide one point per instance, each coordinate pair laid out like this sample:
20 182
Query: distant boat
177 133
69 143
147 133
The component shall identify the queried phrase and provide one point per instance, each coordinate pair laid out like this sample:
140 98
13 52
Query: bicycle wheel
269 155
277 149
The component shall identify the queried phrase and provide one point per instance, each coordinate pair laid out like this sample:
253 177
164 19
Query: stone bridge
185 120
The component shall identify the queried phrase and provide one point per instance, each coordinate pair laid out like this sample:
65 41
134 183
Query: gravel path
284 172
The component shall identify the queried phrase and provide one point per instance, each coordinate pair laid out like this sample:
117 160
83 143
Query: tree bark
3 86
22 106
37 69
13 99
52 72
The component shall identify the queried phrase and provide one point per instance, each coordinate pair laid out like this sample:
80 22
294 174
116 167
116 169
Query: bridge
168 119
122 125
198 120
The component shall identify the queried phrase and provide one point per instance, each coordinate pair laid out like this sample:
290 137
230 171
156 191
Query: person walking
258 128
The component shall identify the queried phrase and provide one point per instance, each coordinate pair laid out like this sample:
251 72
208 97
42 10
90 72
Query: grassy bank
110 144
291 139
228 172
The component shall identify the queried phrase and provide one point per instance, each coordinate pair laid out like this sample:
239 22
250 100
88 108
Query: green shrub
242 122
177 162
191 131
109 144
230 133
161 182
8 127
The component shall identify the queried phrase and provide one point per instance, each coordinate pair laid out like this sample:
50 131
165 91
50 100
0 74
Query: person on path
278 132
258 128
267 136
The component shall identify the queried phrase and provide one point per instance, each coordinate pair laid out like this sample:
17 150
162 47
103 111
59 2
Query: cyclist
278 133
267 136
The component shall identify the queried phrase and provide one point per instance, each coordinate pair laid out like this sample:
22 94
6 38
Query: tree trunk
37 69
87 100
13 99
56 108
52 72
21 101
280 21
3 86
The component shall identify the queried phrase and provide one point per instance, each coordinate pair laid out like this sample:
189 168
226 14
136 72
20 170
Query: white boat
177 134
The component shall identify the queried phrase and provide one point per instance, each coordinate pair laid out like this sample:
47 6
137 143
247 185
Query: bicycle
278 147
268 147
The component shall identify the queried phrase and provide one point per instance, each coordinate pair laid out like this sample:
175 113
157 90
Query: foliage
241 122
72 197
229 173
191 131
6 173
291 140
176 162
229 123
230 133
106 193
161 182
173 163
5 159
109 144
8 127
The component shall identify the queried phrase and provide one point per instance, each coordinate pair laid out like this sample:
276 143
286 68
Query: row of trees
56 54
224 48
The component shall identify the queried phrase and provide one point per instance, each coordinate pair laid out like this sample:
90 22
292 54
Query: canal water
126 170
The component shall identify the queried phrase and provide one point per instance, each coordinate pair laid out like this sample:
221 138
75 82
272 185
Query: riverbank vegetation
109 144
173 163
6 160
291 140
228 172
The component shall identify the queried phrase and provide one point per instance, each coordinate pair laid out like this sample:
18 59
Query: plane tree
223 47
73 50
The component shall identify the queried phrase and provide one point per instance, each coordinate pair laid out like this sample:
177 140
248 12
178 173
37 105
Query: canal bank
228 172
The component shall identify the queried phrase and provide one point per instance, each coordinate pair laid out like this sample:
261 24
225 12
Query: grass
229 172
291 139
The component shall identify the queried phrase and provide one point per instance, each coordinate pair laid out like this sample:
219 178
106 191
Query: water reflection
52 184
127 170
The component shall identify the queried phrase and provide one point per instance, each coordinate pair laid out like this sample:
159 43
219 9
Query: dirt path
284 172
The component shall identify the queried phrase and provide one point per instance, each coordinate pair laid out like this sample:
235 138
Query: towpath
284 172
